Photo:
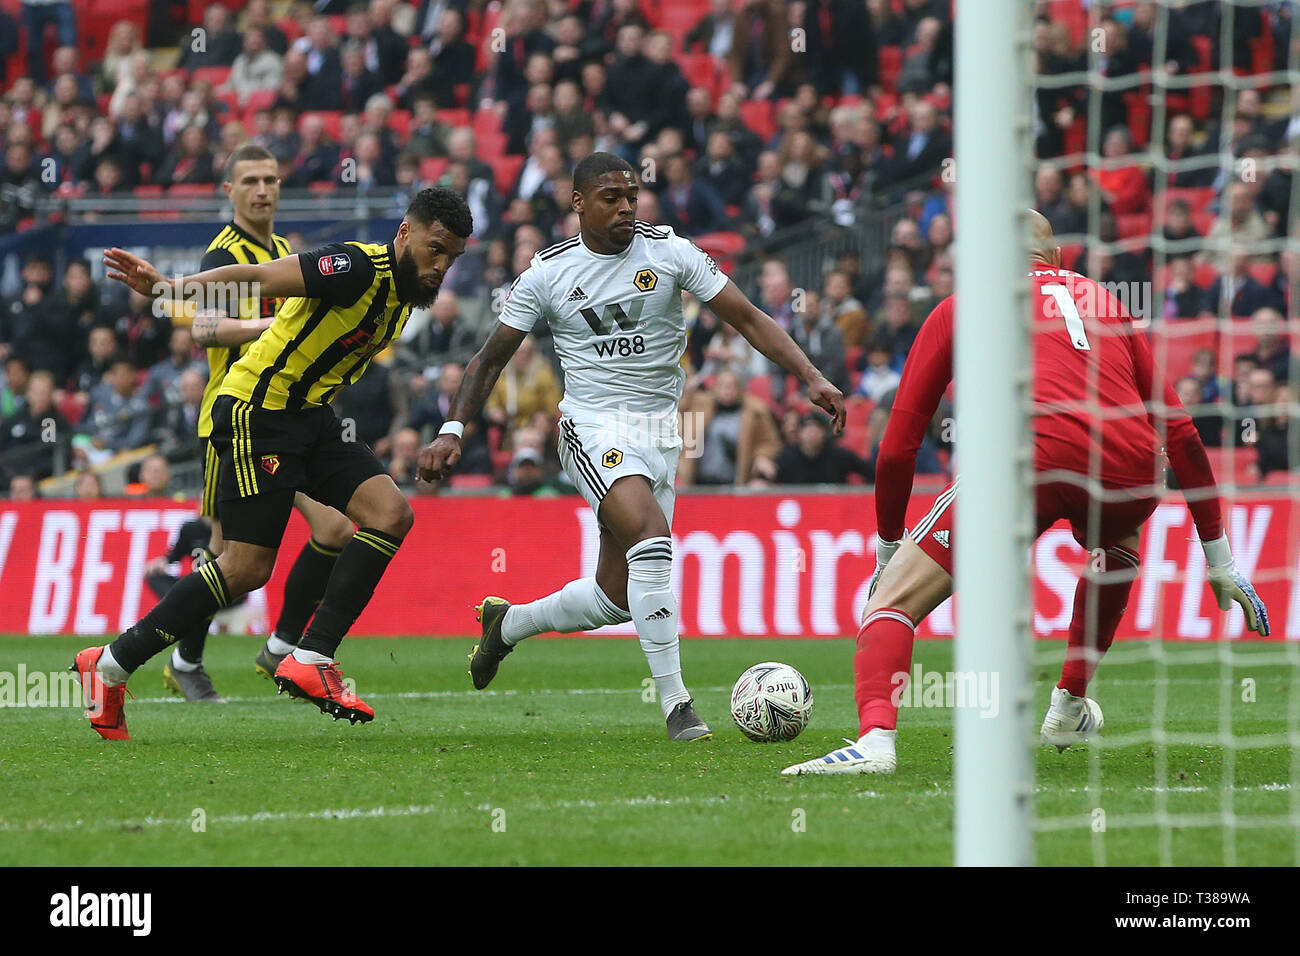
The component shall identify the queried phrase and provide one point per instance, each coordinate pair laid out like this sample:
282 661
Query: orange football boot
322 684
105 706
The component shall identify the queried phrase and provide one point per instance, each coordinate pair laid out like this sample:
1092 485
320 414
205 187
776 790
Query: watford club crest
645 280
270 464
612 458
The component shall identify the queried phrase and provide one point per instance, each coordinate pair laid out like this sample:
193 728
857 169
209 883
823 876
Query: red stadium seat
471 482
505 171
455 118
322 188
333 120
491 145
258 100
147 192
1205 275
1198 199
191 190
231 100
757 116
723 246
1175 343
399 121
1275 478
432 168
1261 47
1236 336
1232 465
216 75
461 94
1131 225
486 121
760 386
890 63
700 70
1070 257
1072 14
289 27
678 19
1138 104
72 407
1263 272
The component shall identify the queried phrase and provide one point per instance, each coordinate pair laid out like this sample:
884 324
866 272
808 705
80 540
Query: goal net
1166 141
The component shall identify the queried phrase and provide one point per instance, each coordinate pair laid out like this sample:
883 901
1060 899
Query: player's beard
406 277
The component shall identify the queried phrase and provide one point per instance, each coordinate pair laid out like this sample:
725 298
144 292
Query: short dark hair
595 165
121 358
249 152
438 204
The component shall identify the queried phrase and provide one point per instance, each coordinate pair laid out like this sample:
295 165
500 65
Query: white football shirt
617 323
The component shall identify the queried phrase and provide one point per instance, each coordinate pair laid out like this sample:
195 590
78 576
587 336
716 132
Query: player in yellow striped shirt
276 434
252 183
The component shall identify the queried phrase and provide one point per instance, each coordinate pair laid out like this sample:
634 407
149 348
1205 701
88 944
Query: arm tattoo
205 328
481 374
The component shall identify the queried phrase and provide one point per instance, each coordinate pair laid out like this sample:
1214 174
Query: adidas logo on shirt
660 614
941 537
577 295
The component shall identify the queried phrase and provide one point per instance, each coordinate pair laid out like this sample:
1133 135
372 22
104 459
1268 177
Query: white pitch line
585 691
444 694
368 813
419 810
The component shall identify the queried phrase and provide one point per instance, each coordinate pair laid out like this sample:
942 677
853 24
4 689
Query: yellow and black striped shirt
323 341
234 246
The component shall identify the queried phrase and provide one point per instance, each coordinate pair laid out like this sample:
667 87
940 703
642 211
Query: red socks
881 666
1090 636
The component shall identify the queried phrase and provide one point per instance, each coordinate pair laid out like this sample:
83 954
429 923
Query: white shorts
594 458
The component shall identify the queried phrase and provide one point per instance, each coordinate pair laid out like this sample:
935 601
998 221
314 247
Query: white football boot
1070 719
874 753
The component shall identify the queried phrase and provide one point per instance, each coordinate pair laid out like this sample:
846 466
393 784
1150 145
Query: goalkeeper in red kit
1101 412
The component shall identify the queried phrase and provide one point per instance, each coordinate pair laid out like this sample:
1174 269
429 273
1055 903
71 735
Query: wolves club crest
270 464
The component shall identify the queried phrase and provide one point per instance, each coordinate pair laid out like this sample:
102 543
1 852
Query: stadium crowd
747 119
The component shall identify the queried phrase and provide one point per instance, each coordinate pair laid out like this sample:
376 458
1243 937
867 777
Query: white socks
653 606
113 673
181 664
578 606
310 657
278 647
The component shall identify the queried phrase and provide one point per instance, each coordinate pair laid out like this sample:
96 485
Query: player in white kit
612 296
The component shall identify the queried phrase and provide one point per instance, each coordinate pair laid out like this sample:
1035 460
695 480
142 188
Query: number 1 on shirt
1070 311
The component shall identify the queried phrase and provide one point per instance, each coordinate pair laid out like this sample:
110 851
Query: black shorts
211 471
267 456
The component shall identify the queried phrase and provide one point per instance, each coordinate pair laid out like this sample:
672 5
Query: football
771 701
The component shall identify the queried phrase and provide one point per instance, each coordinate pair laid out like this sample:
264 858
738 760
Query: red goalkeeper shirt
1094 378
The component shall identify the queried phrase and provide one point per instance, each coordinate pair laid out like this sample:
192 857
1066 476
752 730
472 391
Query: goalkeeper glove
1230 585
884 551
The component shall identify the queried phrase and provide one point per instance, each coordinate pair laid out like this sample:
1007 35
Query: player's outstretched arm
214 330
732 307
438 458
279 278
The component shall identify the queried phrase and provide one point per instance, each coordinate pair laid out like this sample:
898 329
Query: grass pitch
564 762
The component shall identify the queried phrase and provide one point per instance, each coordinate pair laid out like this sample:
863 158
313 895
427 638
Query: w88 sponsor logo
621 346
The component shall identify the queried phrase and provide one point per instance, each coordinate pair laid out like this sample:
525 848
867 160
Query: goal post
993 770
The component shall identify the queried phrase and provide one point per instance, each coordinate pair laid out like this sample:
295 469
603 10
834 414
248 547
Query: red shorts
1113 521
